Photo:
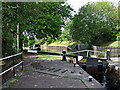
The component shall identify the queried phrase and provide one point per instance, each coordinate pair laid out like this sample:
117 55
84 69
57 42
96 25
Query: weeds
54 75
65 76
25 70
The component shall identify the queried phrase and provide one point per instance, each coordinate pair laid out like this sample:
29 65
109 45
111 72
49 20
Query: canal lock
103 73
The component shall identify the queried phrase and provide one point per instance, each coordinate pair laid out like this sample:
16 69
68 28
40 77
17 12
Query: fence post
14 67
22 60
64 55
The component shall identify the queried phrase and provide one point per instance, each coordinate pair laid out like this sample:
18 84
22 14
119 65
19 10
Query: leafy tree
25 42
31 41
117 11
95 23
43 20
65 36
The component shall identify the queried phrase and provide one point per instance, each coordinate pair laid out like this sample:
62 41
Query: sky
76 4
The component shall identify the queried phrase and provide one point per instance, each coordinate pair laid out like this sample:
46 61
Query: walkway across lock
90 61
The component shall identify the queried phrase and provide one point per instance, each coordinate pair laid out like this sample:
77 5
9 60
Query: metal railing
88 51
114 51
14 65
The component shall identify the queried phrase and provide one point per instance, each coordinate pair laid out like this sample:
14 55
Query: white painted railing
87 52
14 65
1 59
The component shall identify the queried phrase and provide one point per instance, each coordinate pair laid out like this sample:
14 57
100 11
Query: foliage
65 36
31 41
95 23
11 47
66 43
41 20
118 28
25 41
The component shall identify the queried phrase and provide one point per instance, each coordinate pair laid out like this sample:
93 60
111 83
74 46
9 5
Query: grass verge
48 57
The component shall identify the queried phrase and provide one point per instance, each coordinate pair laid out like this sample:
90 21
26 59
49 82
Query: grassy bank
111 44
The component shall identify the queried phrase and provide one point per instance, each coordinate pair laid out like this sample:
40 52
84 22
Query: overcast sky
76 4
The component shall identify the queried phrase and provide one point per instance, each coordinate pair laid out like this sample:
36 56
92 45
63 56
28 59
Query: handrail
14 65
10 68
85 51
10 56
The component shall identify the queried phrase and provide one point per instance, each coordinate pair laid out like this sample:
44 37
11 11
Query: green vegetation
48 57
82 81
87 88
112 44
54 75
85 84
11 84
66 43
25 70
95 23
106 44
42 19
17 77
72 46
65 36
83 60
65 76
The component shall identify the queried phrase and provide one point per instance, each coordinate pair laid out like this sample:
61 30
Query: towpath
53 74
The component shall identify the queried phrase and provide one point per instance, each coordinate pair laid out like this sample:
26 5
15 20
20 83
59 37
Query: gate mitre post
108 54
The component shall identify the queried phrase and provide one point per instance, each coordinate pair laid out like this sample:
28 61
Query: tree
42 19
65 36
95 23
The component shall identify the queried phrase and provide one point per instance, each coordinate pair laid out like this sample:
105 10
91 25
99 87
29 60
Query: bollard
64 55
90 78
74 61
108 54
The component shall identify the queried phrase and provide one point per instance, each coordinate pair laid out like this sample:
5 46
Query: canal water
107 79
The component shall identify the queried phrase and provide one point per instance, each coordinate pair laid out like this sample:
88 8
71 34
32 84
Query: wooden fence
114 51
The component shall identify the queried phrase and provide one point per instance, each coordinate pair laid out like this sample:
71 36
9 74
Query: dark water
113 82
107 79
